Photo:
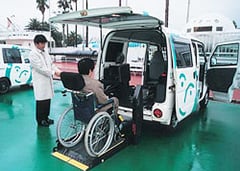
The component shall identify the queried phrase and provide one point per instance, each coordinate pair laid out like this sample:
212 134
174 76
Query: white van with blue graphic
15 67
138 51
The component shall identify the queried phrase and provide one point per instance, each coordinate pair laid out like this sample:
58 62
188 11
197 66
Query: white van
138 50
15 67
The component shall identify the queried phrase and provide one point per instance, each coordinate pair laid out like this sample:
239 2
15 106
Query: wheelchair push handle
65 91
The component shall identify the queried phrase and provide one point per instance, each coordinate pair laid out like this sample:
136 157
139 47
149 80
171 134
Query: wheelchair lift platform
130 130
78 156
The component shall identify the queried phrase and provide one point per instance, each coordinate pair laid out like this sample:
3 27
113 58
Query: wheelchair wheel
69 130
99 134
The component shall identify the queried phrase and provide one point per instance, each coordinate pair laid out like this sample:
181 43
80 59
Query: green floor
208 141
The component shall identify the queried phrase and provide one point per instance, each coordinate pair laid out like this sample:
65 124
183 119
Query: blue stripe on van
173 51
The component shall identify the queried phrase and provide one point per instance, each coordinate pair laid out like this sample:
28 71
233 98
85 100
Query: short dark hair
84 65
40 38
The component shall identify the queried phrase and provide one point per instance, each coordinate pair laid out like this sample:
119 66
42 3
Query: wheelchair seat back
72 81
83 106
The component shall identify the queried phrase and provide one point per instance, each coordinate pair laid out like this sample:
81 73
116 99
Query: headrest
157 54
72 81
120 58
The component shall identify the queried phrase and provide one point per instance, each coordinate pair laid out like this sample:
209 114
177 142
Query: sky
21 11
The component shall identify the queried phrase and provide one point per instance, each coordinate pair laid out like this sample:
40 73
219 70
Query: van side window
183 55
25 54
11 55
202 55
225 55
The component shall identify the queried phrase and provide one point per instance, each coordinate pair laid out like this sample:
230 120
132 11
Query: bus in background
15 67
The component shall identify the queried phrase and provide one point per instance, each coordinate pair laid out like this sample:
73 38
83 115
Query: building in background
211 29
21 37
15 35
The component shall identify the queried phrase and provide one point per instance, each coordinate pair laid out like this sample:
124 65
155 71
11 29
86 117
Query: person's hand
58 72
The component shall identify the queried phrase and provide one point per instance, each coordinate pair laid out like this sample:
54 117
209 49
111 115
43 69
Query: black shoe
50 121
43 123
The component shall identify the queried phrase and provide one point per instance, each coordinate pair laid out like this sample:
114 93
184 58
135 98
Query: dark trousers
42 109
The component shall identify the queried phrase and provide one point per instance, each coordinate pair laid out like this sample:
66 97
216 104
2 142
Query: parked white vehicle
171 75
15 68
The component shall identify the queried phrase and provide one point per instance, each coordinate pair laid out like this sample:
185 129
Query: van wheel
204 102
4 85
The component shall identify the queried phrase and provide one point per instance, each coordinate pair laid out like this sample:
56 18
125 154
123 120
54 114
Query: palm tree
72 38
42 5
66 6
75 1
34 24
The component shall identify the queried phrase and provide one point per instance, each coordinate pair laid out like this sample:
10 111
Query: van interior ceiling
145 35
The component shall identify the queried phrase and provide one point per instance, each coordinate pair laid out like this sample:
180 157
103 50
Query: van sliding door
185 76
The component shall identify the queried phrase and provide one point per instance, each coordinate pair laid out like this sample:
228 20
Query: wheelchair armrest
105 104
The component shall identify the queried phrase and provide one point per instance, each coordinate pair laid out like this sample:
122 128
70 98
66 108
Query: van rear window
11 55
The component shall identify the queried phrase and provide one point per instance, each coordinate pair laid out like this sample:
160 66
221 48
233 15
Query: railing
210 39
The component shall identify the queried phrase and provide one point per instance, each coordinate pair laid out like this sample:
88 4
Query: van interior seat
157 73
120 58
157 66
116 80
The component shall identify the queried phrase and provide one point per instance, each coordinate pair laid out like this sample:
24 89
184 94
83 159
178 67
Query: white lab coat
42 74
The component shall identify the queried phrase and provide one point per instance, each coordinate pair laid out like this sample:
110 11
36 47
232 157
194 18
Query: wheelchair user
86 69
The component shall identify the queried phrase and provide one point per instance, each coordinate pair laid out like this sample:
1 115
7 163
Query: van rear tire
4 85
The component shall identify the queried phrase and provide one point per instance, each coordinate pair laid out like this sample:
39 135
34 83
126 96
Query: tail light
157 113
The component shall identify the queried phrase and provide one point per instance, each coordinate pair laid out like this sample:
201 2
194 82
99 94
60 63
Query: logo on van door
189 89
18 74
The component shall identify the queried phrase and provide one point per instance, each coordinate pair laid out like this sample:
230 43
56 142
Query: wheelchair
84 119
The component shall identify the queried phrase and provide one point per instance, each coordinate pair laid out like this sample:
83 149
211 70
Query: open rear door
222 74
109 17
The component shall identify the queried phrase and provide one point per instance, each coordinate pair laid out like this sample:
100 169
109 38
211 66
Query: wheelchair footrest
78 157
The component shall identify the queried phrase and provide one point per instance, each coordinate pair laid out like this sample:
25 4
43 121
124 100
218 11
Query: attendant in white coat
43 70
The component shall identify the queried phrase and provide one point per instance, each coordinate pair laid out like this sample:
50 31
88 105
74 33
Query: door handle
195 74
